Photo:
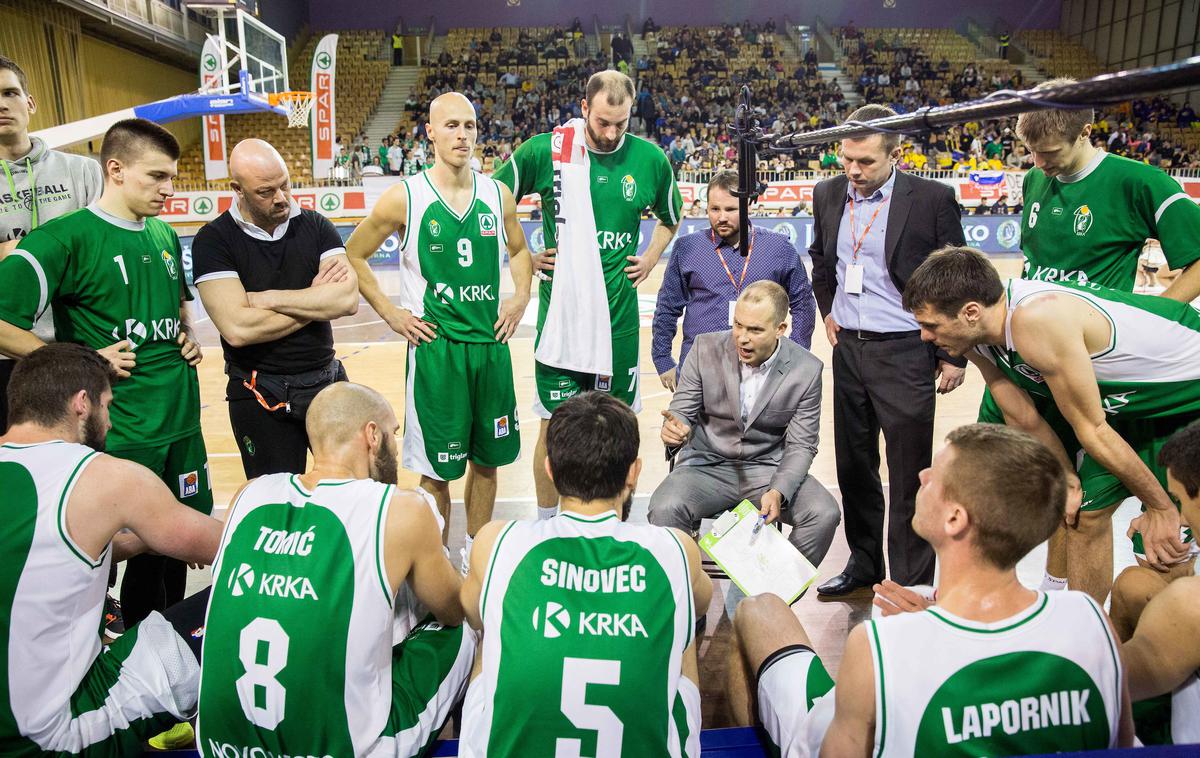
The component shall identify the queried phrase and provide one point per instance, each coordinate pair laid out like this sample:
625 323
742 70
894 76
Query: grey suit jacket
782 428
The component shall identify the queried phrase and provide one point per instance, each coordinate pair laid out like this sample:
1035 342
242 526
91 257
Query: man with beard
705 276
594 180
114 271
66 508
341 550
613 605
272 276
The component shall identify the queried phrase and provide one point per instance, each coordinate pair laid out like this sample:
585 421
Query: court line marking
365 323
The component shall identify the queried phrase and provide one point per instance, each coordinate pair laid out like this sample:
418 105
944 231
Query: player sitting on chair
332 549
992 669
64 508
612 604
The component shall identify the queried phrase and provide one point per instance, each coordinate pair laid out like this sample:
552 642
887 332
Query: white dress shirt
753 378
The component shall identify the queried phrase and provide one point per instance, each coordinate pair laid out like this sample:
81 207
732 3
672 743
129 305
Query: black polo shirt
230 247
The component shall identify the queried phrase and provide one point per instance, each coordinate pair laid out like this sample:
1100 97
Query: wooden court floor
374 356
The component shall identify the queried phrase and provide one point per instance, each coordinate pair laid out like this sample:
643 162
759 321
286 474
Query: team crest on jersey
603 383
501 427
1083 220
189 484
487 224
434 227
628 187
169 260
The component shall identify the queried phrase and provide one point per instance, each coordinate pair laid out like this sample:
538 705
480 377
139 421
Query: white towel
577 333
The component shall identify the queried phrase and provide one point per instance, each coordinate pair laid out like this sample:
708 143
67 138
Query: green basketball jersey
585 620
109 279
451 263
1046 680
630 179
1092 228
298 636
1150 368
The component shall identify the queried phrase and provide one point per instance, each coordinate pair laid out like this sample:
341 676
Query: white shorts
795 701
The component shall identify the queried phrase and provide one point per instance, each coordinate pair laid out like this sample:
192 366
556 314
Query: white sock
545 513
1052 583
469 541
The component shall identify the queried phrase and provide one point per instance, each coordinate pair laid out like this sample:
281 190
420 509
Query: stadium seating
361 73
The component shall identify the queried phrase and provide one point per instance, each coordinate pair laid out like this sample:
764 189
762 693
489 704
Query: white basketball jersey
1045 680
298 642
52 590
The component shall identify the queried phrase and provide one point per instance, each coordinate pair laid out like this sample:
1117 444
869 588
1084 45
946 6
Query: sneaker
175 738
114 622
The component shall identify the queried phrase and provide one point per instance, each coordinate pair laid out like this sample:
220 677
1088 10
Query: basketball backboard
245 44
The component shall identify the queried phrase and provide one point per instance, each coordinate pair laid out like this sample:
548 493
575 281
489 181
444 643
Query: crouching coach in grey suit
746 413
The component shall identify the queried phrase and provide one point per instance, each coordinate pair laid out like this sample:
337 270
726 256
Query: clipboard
757 563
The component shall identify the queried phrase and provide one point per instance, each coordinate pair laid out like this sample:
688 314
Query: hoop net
298 104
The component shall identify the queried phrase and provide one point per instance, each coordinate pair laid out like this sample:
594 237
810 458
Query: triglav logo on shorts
603 383
555 620
241 580
189 484
501 426
434 227
1083 220
487 224
628 187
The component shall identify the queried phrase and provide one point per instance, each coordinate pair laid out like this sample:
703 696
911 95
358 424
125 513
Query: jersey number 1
578 673
260 677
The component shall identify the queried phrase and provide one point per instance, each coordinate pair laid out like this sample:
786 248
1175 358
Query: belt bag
290 394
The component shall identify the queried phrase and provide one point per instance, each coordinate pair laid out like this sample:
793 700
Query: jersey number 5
578 673
259 678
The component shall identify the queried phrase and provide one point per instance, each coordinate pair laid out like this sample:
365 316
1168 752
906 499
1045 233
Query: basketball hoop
298 104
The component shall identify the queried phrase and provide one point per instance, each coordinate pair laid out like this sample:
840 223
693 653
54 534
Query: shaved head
453 129
450 103
254 157
259 177
340 411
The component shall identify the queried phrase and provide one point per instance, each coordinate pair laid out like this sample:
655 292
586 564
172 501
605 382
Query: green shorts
555 385
183 467
430 669
460 405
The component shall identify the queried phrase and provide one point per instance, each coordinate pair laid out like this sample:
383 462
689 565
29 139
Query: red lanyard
737 286
857 244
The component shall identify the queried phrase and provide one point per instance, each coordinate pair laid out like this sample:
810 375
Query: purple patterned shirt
697 286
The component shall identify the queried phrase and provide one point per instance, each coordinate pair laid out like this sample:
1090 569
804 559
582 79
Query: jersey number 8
260 677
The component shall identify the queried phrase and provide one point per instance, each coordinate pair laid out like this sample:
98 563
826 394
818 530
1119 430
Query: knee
486 472
666 508
755 612
435 487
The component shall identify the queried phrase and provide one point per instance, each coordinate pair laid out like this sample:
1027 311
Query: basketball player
613 608
1087 214
454 224
65 507
114 271
330 550
1162 656
992 669
1103 357
624 176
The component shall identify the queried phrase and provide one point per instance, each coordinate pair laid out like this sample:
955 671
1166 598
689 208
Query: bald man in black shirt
272 276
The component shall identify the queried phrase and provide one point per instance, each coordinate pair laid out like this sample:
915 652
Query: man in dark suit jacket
747 413
872 228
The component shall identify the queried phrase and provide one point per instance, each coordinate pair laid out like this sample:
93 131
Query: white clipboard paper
757 563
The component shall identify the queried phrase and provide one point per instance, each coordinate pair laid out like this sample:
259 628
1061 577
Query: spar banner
324 121
212 76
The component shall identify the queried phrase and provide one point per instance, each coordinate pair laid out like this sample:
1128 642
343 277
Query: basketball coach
872 227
